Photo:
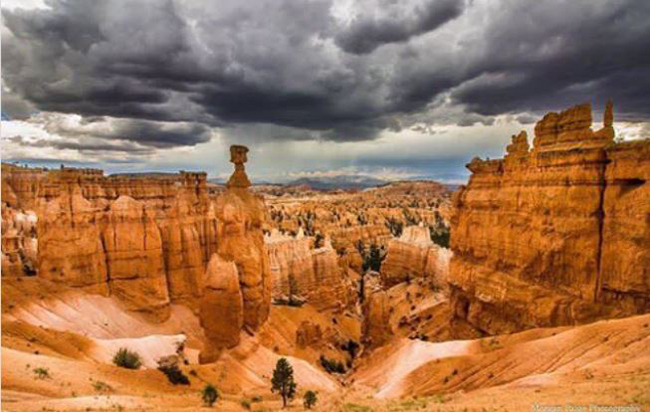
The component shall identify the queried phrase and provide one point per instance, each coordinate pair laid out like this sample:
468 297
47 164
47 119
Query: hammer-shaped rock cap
238 154
238 157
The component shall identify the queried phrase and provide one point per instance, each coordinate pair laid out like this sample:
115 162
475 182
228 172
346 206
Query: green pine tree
282 381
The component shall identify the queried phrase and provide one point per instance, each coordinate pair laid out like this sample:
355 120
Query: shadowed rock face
556 235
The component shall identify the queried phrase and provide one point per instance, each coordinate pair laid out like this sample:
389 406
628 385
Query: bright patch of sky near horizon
387 89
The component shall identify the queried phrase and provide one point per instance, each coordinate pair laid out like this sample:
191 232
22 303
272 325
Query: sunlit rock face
70 243
239 216
237 283
414 255
555 235
143 239
135 261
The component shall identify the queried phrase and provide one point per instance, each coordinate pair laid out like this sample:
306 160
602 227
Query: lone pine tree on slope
282 381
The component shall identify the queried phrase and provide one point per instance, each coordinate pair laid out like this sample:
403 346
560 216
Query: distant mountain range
324 182
338 182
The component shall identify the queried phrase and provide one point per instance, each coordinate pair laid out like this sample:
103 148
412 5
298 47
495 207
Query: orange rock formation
376 327
240 215
555 235
146 239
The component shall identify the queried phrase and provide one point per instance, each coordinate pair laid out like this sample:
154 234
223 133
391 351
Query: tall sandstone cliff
554 235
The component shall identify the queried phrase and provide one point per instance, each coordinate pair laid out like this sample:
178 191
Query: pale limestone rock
414 255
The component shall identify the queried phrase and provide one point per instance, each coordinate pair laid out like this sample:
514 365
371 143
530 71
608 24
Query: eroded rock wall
538 236
625 251
376 328
19 242
414 255
316 270
146 240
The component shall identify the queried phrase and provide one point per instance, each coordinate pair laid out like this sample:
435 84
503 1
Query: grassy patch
100 386
409 405
42 373
353 407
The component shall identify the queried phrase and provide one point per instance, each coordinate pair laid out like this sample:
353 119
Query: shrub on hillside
42 373
209 395
351 347
310 399
174 375
331 365
125 358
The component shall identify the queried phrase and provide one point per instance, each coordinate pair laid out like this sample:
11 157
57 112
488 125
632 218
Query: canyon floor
603 363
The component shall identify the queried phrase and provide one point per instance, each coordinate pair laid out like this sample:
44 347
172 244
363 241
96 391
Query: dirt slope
545 357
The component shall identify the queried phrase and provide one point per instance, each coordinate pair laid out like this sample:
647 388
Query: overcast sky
395 89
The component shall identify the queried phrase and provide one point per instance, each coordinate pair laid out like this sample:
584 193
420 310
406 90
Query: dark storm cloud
97 134
154 135
15 108
545 54
526 119
144 132
88 146
367 32
300 65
